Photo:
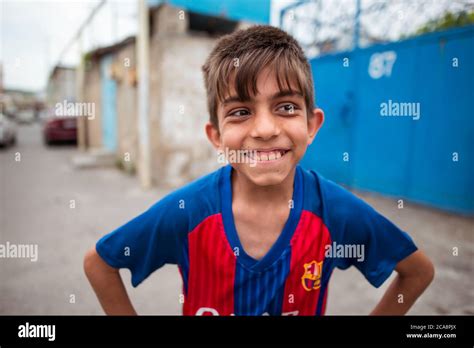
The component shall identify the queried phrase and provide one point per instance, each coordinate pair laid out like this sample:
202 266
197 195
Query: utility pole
357 25
80 73
143 66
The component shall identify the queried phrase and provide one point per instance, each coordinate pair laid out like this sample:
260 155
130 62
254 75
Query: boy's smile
272 129
266 156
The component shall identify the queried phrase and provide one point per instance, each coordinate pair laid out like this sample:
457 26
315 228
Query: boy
259 236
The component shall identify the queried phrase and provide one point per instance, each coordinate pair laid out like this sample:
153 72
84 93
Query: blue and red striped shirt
194 228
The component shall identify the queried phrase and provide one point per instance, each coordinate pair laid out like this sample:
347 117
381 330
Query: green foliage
449 20
87 60
127 167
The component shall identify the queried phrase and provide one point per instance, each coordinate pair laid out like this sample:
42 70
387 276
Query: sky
33 34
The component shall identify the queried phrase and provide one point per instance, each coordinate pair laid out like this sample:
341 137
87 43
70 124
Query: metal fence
399 119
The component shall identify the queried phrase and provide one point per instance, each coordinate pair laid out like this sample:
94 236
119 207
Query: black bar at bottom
406 330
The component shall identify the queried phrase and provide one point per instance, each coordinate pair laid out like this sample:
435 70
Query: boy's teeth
269 156
265 155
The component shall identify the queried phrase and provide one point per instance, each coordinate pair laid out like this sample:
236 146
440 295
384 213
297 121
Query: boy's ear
213 135
315 121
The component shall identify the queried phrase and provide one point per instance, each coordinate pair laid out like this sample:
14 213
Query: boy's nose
265 126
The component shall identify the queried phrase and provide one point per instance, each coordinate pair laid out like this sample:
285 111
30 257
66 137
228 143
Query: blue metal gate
427 158
109 104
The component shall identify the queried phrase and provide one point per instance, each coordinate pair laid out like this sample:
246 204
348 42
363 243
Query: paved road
35 208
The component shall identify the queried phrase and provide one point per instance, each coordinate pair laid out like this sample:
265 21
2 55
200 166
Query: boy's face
273 125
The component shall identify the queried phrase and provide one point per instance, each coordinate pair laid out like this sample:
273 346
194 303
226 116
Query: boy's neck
245 190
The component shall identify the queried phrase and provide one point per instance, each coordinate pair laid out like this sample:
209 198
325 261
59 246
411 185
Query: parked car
7 131
60 129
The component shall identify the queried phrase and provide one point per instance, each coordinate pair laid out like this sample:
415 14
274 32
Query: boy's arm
415 273
108 285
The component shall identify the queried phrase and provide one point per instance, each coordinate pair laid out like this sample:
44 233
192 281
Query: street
36 209
64 210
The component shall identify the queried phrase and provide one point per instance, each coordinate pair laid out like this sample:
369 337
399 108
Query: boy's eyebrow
286 93
279 94
232 99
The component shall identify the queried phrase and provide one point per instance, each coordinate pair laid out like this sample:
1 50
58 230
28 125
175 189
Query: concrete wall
125 75
92 94
180 151
178 111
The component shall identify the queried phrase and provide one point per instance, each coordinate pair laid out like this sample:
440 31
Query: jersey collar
282 242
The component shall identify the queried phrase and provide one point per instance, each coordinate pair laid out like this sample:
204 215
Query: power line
80 30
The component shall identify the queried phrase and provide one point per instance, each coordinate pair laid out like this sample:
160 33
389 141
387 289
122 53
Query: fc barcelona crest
311 278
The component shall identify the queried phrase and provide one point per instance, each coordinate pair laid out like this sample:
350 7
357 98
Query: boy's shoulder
346 216
321 196
329 200
204 188
337 207
192 203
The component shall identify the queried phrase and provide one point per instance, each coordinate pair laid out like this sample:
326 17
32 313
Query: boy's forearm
415 273
107 285
400 296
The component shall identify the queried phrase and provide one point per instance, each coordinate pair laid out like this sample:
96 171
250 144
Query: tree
449 20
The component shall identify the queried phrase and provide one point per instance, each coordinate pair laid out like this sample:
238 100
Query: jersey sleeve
356 224
148 241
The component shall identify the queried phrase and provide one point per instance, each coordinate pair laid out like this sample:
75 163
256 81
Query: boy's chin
260 176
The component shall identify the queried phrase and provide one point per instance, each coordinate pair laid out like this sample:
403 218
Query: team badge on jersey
311 278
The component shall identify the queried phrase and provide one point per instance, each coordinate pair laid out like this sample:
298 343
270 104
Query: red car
60 129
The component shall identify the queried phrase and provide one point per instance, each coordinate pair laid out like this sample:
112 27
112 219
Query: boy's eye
288 108
240 112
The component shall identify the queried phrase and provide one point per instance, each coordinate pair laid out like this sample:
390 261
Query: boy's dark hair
242 55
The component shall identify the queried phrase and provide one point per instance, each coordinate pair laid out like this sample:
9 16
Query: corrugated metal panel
400 156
